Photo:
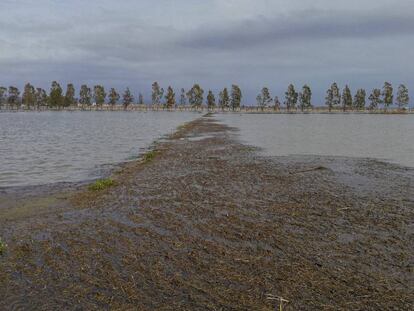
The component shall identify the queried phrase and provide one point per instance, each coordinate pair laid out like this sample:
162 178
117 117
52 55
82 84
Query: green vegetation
149 156
336 98
101 184
195 96
3 247
170 98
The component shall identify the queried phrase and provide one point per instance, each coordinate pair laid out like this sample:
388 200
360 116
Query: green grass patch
101 184
149 156
3 247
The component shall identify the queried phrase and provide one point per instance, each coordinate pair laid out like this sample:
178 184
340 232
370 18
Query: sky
215 43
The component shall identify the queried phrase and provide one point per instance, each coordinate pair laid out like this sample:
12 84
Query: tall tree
99 95
3 96
277 103
70 96
140 99
375 99
346 98
13 96
305 98
329 99
403 98
28 97
127 98
387 95
183 98
85 96
113 97
211 100
170 98
41 98
224 99
359 100
264 99
336 95
56 95
291 97
195 96
157 93
236 97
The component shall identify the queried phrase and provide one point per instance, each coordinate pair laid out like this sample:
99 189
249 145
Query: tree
277 103
264 99
99 95
3 92
157 93
224 99
183 98
113 97
359 100
387 95
127 98
236 97
375 99
346 98
329 99
85 96
41 98
56 95
291 97
13 96
70 96
28 97
211 100
140 99
170 98
195 96
305 98
403 98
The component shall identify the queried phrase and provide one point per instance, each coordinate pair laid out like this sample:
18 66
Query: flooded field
384 137
51 147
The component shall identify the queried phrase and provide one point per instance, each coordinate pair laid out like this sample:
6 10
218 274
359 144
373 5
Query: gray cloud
303 25
215 43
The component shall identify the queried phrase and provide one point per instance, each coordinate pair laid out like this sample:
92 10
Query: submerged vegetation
102 184
37 98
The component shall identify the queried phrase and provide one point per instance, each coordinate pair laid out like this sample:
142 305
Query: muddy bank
208 225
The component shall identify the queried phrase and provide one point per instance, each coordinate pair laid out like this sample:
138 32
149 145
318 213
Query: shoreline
208 223
243 110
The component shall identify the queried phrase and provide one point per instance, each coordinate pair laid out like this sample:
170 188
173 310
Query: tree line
335 99
37 98
227 99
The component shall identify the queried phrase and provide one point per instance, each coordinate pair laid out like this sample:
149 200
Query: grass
149 156
102 184
3 247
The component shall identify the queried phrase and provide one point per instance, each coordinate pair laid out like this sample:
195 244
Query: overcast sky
214 42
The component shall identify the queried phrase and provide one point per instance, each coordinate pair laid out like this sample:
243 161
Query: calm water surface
49 147
385 137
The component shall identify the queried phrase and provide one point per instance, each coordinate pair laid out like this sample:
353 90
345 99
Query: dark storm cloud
307 25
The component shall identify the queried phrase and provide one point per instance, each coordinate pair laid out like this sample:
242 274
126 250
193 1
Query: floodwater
385 137
51 147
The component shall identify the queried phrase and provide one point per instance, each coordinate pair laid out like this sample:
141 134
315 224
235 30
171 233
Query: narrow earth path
210 225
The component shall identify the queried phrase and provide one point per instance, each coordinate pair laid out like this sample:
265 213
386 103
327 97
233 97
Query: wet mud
209 224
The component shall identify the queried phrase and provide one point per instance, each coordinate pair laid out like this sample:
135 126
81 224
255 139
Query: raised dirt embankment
207 224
